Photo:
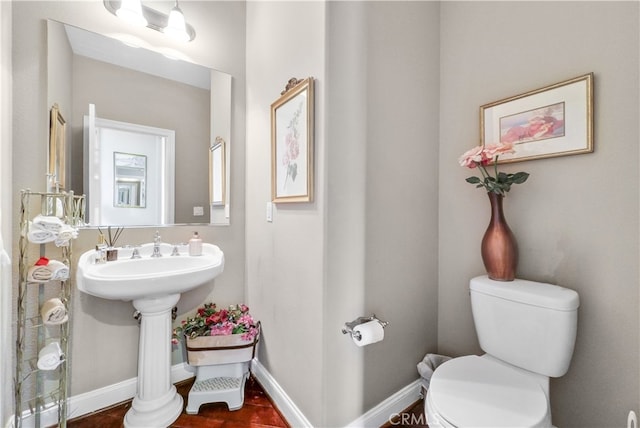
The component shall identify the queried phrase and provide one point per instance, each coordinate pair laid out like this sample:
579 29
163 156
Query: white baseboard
375 417
82 404
285 405
392 406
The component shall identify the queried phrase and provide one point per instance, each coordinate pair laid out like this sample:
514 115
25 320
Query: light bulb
131 11
176 27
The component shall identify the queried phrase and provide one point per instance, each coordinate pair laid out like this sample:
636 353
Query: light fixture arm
156 20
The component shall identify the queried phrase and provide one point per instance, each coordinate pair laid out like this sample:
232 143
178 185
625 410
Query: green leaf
473 180
520 177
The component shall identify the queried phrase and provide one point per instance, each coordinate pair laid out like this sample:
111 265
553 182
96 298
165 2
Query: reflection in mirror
129 176
140 86
112 172
216 170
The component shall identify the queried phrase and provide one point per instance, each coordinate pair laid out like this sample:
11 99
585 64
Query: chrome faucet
156 245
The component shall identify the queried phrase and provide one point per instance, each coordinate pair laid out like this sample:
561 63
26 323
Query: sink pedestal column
157 403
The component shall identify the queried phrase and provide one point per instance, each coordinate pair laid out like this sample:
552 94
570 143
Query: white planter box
209 350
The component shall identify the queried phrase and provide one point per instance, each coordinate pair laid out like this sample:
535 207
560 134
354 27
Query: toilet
528 331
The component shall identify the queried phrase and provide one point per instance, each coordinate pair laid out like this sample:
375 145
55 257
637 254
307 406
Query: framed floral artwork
556 120
292 143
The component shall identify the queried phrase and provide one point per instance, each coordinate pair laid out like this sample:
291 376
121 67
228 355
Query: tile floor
257 412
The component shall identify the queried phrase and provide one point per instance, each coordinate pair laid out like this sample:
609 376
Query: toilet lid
478 392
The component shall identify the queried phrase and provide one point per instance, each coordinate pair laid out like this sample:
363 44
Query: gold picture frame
57 148
556 120
292 131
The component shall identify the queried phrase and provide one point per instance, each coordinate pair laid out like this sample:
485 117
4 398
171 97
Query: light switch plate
270 211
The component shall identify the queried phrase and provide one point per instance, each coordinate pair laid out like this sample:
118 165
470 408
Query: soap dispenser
195 245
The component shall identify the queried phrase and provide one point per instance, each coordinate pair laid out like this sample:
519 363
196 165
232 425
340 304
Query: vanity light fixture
173 24
176 27
131 11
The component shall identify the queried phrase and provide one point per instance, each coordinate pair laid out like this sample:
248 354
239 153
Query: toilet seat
473 391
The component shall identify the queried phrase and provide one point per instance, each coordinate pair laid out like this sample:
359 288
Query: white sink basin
148 277
154 286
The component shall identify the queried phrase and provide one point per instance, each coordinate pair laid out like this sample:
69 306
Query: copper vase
499 246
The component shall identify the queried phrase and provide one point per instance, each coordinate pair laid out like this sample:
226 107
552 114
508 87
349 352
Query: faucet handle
176 251
136 253
156 237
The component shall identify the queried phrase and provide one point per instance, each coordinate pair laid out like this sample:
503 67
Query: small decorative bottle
195 245
101 250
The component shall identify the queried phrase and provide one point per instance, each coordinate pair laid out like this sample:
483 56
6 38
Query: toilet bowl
527 330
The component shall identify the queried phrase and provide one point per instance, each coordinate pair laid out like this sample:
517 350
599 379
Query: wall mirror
141 86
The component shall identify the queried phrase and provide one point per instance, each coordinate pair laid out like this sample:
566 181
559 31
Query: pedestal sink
154 286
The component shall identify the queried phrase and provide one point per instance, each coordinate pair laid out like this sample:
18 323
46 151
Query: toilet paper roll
370 332
54 312
50 356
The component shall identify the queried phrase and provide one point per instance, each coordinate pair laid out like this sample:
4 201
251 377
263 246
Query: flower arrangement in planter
231 333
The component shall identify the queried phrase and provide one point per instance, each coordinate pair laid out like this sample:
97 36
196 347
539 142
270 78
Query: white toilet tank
531 325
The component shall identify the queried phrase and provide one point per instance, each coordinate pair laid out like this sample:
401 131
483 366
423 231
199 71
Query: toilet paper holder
349 326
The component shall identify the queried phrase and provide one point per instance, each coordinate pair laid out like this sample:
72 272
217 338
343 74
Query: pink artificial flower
493 150
253 332
246 319
244 308
472 157
174 341
224 329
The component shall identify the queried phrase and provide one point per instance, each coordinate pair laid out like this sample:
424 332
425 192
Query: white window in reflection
129 179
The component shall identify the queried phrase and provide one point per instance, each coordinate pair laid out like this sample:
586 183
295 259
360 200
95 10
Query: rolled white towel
50 356
48 222
59 271
46 270
39 274
65 234
54 312
40 236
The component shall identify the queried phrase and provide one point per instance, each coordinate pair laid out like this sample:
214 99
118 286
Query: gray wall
356 249
285 258
100 328
401 232
576 218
